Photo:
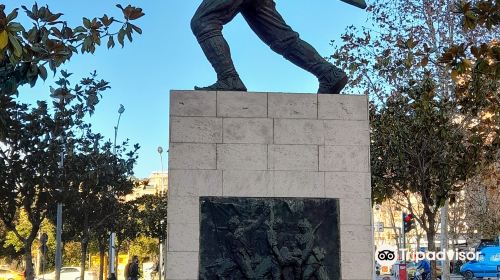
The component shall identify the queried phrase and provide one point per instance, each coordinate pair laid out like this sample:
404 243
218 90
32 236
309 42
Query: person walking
132 269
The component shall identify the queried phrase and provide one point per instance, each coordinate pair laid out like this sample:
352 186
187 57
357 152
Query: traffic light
408 222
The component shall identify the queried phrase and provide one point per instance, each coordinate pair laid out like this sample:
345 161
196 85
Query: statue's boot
358 3
331 78
218 54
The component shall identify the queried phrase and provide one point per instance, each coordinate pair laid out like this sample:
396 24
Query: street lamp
112 236
161 266
61 94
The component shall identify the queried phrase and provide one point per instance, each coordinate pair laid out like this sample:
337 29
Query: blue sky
167 57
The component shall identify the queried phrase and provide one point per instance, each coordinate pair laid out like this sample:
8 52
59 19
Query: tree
153 214
482 205
8 250
33 138
29 177
99 175
33 178
26 51
475 65
127 224
23 226
408 58
418 147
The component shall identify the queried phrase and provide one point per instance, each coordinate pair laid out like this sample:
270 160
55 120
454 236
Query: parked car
9 274
487 243
69 273
486 266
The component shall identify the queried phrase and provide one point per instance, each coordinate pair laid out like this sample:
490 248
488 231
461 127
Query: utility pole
163 248
444 240
404 236
58 260
58 241
112 237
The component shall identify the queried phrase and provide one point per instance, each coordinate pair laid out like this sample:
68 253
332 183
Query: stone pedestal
233 144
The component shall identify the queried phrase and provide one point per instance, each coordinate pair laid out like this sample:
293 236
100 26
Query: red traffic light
408 218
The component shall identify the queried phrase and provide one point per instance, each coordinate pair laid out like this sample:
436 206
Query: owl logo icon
386 255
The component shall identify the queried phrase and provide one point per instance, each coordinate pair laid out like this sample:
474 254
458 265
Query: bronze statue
271 28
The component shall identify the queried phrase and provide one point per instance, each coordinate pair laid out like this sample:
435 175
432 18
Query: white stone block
193 103
344 158
195 129
356 238
357 266
293 157
339 133
183 237
355 211
298 131
269 145
347 185
192 156
299 184
301 106
242 157
182 265
241 104
183 209
195 183
247 183
342 107
248 130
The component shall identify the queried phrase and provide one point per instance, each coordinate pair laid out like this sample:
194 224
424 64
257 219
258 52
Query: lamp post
162 262
62 94
112 237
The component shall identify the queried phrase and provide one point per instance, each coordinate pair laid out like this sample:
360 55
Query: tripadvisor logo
386 255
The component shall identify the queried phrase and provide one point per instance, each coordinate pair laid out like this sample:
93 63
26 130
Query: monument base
268 184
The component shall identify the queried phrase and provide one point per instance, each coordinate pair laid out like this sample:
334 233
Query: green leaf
86 23
136 28
12 15
121 36
111 42
18 50
86 46
15 27
42 72
79 29
128 31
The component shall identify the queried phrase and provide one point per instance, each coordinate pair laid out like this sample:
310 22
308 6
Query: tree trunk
83 258
29 272
102 252
431 235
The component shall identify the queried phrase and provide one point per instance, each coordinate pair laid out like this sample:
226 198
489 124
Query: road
388 277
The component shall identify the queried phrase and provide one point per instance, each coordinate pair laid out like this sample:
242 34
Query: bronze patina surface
269 238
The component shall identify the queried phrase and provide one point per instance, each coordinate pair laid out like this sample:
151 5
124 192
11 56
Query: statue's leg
207 26
271 28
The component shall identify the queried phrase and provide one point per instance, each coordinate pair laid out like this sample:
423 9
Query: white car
69 273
